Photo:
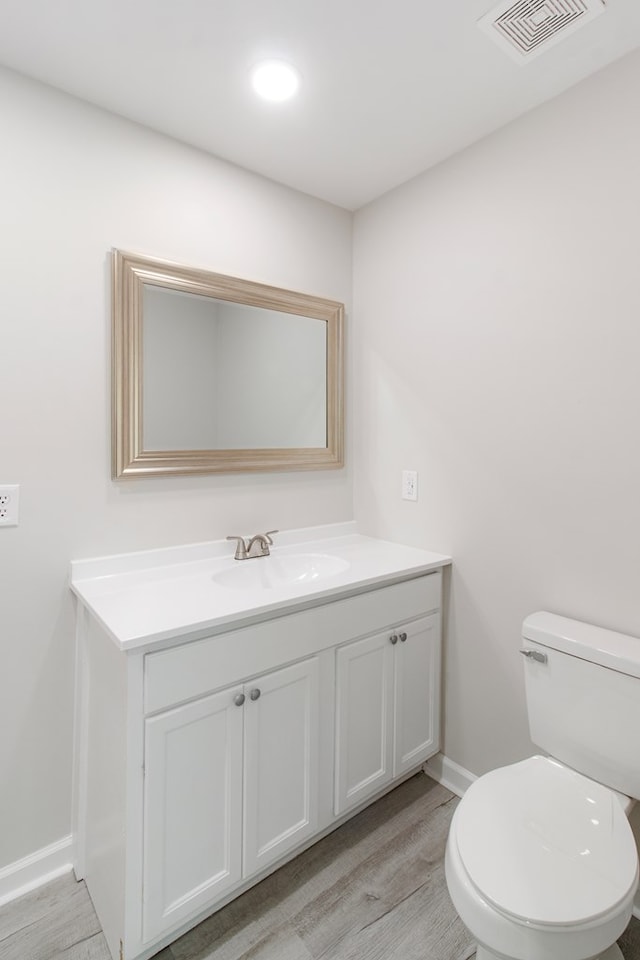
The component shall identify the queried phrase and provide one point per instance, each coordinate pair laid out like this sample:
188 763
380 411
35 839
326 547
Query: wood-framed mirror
214 374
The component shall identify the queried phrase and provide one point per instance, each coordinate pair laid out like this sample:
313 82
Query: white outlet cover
9 503
409 484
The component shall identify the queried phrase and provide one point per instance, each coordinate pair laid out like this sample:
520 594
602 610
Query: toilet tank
583 698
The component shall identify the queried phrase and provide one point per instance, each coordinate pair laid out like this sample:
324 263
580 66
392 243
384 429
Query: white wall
74 182
498 353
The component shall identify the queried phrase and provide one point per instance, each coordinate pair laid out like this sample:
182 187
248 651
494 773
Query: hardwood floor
372 890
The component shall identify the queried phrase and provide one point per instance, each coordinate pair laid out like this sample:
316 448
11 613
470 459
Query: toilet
541 862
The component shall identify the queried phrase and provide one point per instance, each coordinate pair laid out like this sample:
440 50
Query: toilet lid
546 845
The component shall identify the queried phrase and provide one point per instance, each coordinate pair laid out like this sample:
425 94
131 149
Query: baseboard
38 868
450 774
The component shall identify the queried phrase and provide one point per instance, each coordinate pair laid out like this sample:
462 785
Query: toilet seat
545 845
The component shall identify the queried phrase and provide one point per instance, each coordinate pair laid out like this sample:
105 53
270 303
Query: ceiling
389 87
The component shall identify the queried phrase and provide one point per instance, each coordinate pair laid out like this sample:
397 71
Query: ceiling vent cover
527 28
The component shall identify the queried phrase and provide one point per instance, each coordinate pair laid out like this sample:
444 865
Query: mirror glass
220 375
213 373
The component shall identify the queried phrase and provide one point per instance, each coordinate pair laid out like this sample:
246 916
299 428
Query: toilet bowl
541 864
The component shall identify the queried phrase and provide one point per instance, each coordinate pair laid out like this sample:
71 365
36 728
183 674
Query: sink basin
269 573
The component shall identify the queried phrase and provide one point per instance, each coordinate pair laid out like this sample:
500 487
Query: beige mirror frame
130 274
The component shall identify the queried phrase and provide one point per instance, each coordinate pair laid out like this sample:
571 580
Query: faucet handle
241 549
268 536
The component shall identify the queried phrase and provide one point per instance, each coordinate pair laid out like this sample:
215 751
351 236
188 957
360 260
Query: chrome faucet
257 546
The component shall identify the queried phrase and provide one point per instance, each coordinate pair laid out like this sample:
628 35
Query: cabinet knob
239 699
394 638
255 694
403 637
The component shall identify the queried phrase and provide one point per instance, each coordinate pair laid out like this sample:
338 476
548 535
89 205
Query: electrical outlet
409 484
9 500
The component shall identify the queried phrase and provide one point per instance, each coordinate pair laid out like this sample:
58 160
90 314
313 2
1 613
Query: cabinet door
364 719
281 741
417 700
192 808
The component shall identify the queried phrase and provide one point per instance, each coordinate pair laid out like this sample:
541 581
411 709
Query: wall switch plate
9 500
409 484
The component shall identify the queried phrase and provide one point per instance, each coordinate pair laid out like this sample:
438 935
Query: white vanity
229 713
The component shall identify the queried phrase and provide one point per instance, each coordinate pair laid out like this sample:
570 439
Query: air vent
527 28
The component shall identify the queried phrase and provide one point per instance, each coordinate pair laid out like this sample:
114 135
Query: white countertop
142 599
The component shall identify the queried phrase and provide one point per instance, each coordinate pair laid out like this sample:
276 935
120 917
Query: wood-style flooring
372 890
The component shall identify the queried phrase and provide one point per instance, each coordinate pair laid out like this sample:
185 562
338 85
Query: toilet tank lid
584 640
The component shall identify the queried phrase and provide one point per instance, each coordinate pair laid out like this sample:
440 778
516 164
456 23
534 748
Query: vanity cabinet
386 708
206 760
281 756
230 785
192 808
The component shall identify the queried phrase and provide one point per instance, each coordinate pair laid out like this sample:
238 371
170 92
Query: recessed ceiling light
275 80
